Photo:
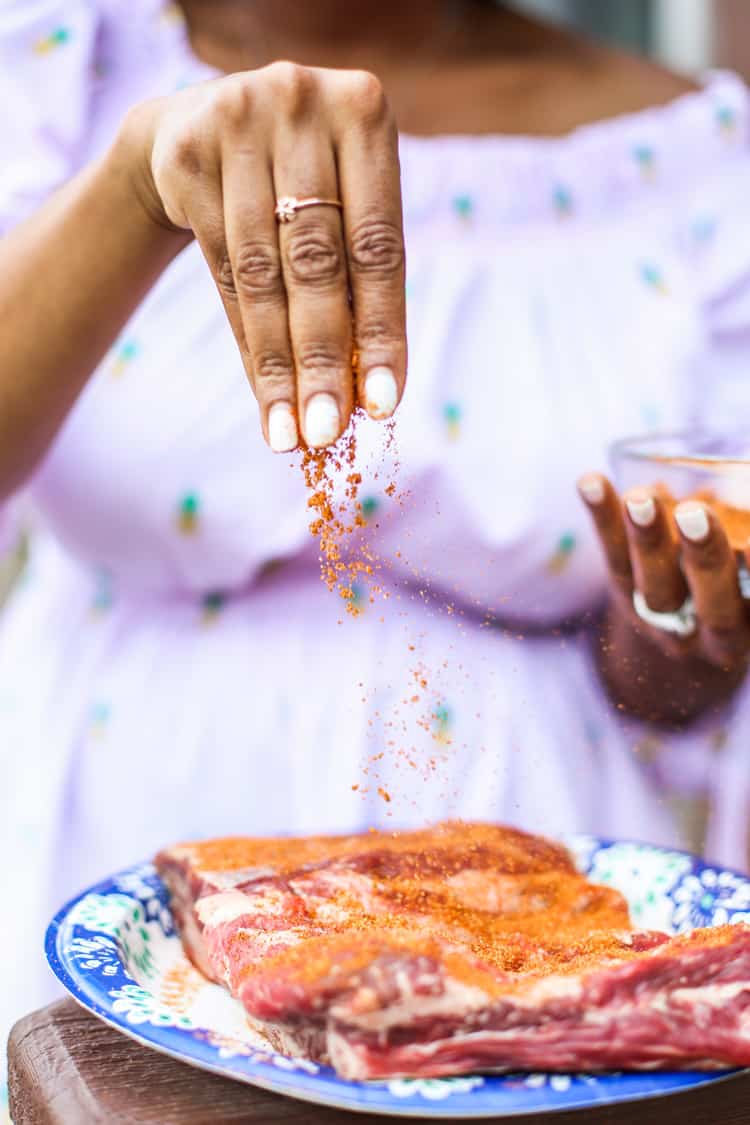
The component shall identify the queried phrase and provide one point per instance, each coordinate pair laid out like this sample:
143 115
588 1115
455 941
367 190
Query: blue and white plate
116 951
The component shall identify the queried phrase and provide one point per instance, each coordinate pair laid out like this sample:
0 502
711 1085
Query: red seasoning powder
336 520
348 563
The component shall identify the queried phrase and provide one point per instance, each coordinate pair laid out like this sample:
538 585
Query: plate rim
285 1085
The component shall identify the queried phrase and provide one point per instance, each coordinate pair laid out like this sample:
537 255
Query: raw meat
457 948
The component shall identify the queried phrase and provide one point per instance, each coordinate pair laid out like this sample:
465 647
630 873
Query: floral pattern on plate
116 950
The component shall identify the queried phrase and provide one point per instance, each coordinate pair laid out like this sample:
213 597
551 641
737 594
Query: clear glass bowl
714 468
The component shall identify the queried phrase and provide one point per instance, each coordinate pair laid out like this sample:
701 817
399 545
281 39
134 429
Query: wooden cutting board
68 1068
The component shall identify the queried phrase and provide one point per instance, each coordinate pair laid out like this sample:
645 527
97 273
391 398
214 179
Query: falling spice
347 562
351 567
336 520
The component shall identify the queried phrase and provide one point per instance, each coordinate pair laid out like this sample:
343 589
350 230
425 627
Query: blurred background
687 34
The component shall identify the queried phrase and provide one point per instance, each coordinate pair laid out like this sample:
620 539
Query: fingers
255 285
604 504
223 154
206 217
643 551
653 552
368 168
711 569
315 277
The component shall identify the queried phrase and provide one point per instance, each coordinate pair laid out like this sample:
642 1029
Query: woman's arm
70 277
209 163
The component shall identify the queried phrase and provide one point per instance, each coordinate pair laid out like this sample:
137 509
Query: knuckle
621 575
272 368
232 102
724 621
185 153
723 648
224 275
256 270
322 356
297 84
709 555
314 256
366 97
379 332
377 246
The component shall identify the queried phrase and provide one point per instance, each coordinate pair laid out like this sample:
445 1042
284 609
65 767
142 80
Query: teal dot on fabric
652 275
357 596
593 732
726 117
442 715
452 413
188 512
100 712
370 505
128 350
703 227
60 35
214 601
567 543
562 199
441 724
124 352
463 205
644 155
103 593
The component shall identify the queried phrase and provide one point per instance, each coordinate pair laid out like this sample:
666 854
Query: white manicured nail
692 520
322 420
381 393
642 510
591 489
282 428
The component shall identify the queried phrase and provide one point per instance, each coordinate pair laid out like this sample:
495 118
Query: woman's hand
215 158
657 675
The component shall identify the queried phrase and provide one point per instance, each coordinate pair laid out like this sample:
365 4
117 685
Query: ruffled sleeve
47 75
716 235
47 51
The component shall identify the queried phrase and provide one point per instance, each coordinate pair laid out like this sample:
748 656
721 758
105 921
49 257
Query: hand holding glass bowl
675 530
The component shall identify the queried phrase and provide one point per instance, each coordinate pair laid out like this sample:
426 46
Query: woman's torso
171 664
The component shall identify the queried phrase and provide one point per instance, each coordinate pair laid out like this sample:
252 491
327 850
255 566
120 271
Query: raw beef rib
456 948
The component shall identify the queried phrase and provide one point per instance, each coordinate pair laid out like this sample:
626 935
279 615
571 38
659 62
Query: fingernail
381 393
282 428
692 520
322 420
642 510
591 488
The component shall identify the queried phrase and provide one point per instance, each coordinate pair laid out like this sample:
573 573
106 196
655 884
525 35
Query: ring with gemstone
682 623
287 206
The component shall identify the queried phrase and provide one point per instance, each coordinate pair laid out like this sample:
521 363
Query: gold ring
287 206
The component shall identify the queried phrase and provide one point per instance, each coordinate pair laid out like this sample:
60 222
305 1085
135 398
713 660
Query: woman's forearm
70 276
